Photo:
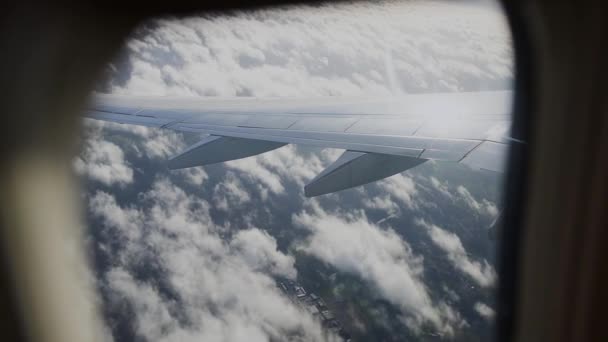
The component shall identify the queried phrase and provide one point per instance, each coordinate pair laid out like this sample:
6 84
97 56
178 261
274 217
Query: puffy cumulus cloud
461 195
300 168
344 49
129 220
229 193
483 207
193 175
481 272
452 295
104 158
484 311
150 142
207 286
384 203
352 244
401 188
255 170
272 169
440 186
103 161
161 144
260 252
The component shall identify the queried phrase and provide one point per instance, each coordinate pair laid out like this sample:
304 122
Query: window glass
235 251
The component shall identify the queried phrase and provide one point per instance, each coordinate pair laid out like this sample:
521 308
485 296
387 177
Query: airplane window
302 173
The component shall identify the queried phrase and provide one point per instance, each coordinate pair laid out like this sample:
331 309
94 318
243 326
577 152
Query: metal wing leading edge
381 137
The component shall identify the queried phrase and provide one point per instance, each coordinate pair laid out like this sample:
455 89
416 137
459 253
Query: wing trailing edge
357 168
217 149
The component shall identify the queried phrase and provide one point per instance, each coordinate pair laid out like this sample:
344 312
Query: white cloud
152 142
259 250
162 144
258 172
484 311
272 169
339 50
103 161
382 203
402 188
442 187
230 193
352 244
129 220
483 207
223 287
452 295
193 175
481 272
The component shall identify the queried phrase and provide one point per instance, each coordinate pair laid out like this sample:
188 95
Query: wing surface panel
488 155
471 128
216 149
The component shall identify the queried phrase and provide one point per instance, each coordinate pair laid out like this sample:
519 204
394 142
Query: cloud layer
481 272
352 244
348 49
207 287
102 161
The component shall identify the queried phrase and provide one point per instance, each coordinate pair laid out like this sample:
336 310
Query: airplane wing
381 137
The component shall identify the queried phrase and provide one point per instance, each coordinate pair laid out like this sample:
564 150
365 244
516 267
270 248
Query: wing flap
357 168
216 149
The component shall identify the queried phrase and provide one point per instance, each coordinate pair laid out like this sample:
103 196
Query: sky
193 254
